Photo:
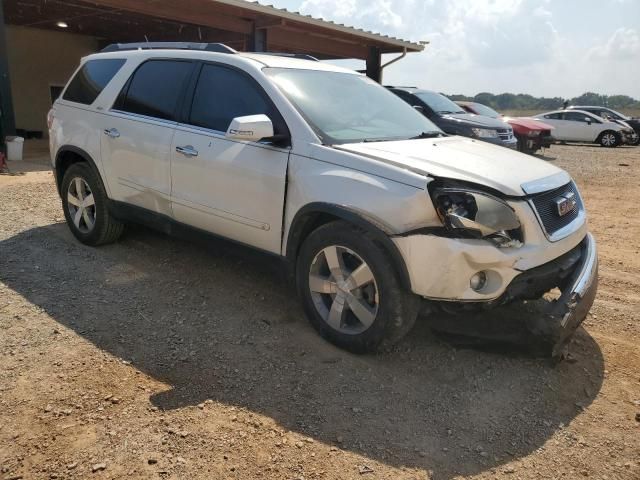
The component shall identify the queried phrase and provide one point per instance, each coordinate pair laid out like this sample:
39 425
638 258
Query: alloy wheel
344 290
81 205
609 139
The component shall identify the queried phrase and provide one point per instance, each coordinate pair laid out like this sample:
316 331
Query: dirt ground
160 358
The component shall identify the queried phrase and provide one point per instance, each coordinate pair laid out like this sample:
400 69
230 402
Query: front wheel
350 290
609 139
524 148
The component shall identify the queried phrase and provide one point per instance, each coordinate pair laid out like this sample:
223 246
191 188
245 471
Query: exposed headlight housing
484 133
474 214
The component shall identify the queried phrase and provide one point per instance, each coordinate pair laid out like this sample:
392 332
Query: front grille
545 205
505 134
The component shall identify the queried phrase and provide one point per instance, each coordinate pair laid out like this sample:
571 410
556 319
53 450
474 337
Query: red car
532 134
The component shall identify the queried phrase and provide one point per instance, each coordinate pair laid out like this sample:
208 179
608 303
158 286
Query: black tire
397 309
105 229
609 139
522 147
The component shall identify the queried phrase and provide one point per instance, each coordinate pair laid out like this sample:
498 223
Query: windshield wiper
431 134
381 139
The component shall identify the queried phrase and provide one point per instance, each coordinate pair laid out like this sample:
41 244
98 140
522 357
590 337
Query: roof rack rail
205 47
301 56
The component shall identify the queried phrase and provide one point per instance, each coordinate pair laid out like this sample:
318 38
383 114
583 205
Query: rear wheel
84 201
609 139
350 290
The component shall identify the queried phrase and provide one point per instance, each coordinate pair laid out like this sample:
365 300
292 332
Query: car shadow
545 156
217 321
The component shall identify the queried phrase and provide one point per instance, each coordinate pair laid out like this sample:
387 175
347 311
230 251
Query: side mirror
588 120
252 128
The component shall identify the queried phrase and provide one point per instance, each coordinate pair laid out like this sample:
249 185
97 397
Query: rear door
138 130
562 130
229 187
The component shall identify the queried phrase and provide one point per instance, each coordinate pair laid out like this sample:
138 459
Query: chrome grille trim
554 226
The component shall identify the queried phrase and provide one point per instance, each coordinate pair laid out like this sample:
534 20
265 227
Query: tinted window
576 117
91 80
155 88
554 116
439 103
223 94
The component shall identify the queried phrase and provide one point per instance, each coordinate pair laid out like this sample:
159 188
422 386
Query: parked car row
532 135
454 120
471 119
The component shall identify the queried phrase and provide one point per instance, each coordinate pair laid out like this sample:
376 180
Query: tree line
522 101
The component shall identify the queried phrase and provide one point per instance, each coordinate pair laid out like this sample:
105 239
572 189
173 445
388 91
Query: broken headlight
478 215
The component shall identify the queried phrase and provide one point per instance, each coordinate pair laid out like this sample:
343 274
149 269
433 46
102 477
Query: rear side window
576 117
554 116
223 94
91 80
155 89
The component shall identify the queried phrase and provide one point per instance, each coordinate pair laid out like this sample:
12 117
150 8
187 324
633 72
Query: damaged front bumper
561 317
520 317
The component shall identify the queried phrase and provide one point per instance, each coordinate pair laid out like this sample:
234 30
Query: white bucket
15 146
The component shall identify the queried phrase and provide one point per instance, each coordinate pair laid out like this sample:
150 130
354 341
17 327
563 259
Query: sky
552 48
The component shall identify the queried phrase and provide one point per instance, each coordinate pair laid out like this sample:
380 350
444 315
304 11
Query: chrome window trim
141 118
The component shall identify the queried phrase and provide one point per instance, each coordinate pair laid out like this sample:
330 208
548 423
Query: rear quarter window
91 79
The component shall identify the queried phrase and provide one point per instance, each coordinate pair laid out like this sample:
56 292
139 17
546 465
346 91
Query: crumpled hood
462 159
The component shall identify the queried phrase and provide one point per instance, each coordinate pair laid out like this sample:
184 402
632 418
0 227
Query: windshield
620 115
348 108
486 111
439 103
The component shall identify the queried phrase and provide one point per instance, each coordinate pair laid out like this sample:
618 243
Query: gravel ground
160 358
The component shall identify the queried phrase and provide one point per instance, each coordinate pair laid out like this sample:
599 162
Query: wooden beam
269 22
374 64
302 43
188 11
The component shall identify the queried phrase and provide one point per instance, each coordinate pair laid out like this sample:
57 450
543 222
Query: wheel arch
66 156
316 214
617 134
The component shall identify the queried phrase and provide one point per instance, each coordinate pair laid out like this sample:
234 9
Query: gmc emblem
565 204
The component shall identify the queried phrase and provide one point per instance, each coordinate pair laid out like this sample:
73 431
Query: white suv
374 208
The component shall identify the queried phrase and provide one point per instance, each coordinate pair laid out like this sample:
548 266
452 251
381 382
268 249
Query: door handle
112 132
187 151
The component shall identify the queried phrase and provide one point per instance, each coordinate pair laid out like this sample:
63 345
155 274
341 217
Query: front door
138 131
580 129
231 188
